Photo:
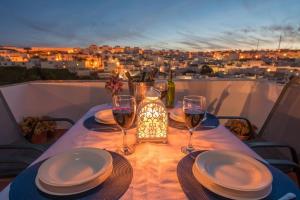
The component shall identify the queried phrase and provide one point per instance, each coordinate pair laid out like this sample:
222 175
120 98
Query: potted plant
37 131
239 128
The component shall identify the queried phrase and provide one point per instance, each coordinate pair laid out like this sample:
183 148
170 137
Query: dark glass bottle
170 99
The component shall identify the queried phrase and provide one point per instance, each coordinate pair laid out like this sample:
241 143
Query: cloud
71 30
243 38
193 41
192 45
225 40
144 23
279 28
290 34
287 31
57 33
49 29
248 30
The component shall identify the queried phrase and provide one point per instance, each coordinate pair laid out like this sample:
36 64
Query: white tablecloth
154 165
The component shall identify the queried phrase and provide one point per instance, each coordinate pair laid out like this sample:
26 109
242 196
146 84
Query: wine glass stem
124 138
190 139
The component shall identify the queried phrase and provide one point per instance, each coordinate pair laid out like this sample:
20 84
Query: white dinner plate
234 170
229 193
71 190
75 167
105 117
177 115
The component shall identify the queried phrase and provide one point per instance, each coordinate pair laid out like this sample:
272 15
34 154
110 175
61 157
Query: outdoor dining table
154 165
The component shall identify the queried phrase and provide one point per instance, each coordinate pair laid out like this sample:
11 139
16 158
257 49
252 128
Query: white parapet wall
57 99
247 98
251 99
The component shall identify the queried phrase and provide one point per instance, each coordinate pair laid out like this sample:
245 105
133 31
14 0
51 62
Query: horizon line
145 48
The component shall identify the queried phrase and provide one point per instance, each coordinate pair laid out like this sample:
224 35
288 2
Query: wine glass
124 109
194 109
162 87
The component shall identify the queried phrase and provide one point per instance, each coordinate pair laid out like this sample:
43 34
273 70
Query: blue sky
171 24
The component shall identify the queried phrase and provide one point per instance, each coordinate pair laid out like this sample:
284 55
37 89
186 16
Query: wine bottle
170 99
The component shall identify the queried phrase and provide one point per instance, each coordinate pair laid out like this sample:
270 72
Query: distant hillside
9 75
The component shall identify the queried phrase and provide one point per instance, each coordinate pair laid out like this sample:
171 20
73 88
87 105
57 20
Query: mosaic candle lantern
152 119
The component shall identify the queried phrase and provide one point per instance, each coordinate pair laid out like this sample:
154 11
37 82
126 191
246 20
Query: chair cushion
13 161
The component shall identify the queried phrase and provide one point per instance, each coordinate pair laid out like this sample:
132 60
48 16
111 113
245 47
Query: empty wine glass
162 87
124 109
194 109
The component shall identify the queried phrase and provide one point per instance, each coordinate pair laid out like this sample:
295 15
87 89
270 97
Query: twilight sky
170 24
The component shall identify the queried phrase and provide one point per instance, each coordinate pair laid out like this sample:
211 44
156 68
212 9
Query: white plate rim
99 120
106 154
103 122
176 117
225 192
236 154
92 184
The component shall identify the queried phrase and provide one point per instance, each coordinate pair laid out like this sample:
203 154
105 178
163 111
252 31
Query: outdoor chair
16 153
278 141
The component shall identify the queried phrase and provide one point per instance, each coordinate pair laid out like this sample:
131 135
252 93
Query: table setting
176 120
83 173
236 181
102 121
126 150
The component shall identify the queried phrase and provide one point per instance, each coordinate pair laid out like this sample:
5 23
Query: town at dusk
161 99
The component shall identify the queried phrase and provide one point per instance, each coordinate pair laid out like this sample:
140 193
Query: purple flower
114 84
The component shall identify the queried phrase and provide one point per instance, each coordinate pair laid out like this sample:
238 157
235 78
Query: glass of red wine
194 109
124 109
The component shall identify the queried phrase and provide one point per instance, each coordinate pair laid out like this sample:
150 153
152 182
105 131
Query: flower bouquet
114 85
